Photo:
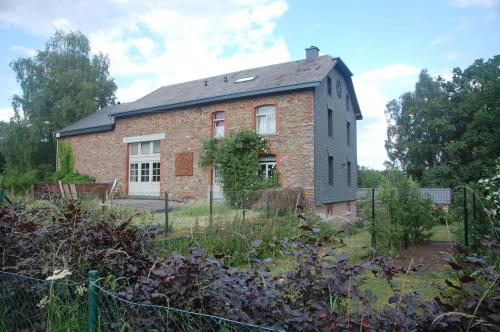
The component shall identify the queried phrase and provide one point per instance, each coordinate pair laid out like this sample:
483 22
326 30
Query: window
266 120
348 173
145 147
338 87
134 172
330 170
330 123
156 172
144 172
156 146
329 85
134 149
347 102
218 118
267 166
348 133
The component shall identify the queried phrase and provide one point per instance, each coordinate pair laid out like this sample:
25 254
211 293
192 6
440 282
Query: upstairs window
347 102
329 85
266 120
218 120
267 166
330 170
348 133
330 123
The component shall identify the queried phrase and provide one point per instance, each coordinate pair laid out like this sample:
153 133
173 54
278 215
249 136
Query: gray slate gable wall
336 146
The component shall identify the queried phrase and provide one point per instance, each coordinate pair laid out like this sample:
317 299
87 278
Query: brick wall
104 156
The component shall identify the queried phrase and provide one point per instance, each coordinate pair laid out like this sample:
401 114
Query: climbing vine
238 157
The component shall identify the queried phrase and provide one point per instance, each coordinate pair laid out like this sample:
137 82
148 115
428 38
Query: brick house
306 110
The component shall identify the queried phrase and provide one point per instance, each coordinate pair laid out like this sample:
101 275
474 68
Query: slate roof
286 76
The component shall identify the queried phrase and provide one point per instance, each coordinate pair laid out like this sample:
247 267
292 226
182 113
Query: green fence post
211 206
166 214
92 301
466 222
374 235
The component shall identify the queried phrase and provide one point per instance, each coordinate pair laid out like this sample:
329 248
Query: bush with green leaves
403 215
19 181
238 156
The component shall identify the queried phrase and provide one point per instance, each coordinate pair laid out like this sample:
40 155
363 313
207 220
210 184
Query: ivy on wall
238 157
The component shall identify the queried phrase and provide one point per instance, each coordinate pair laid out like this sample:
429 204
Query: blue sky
154 43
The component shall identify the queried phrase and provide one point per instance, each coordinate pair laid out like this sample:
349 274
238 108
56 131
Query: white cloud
441 39
166 41
6 114
374 89
468 3
25 50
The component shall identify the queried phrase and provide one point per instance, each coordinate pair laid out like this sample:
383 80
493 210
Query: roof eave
216 99
75 132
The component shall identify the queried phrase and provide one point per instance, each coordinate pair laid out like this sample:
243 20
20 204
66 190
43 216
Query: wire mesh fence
31 304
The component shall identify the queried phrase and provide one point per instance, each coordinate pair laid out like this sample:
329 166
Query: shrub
403 215
20 181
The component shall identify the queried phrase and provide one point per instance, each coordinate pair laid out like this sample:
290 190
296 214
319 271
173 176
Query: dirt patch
430 254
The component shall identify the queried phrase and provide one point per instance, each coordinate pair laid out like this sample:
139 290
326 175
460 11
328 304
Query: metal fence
31 304
244 205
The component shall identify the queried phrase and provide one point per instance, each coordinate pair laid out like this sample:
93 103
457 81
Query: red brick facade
105 156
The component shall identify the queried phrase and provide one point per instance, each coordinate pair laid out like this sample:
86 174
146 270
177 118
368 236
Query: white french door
144 171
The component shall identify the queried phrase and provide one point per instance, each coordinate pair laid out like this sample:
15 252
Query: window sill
268 134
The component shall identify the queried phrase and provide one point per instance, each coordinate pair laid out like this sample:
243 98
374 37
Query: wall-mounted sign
184 164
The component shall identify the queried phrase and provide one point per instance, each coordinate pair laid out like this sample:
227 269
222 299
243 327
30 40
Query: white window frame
269 162
268 114
219 134
139 149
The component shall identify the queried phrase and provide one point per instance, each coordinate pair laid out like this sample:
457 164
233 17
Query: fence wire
31 304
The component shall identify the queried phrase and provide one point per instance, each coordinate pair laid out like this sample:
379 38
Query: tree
369 178
59 85
445 133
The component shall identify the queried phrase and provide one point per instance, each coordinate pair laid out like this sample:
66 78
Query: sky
152 43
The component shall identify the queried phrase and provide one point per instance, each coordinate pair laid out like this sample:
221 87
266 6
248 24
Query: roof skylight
245 79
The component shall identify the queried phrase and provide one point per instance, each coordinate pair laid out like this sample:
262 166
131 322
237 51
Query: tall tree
59 85
446 132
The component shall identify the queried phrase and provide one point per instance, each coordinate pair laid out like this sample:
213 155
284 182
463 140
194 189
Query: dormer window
266 120
218 123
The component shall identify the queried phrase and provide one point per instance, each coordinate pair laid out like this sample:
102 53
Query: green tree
445 133
60 85
369 178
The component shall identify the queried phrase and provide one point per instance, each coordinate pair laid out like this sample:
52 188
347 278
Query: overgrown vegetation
323 290
237 155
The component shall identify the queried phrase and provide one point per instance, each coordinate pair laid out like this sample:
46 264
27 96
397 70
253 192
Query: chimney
312 52
205 83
